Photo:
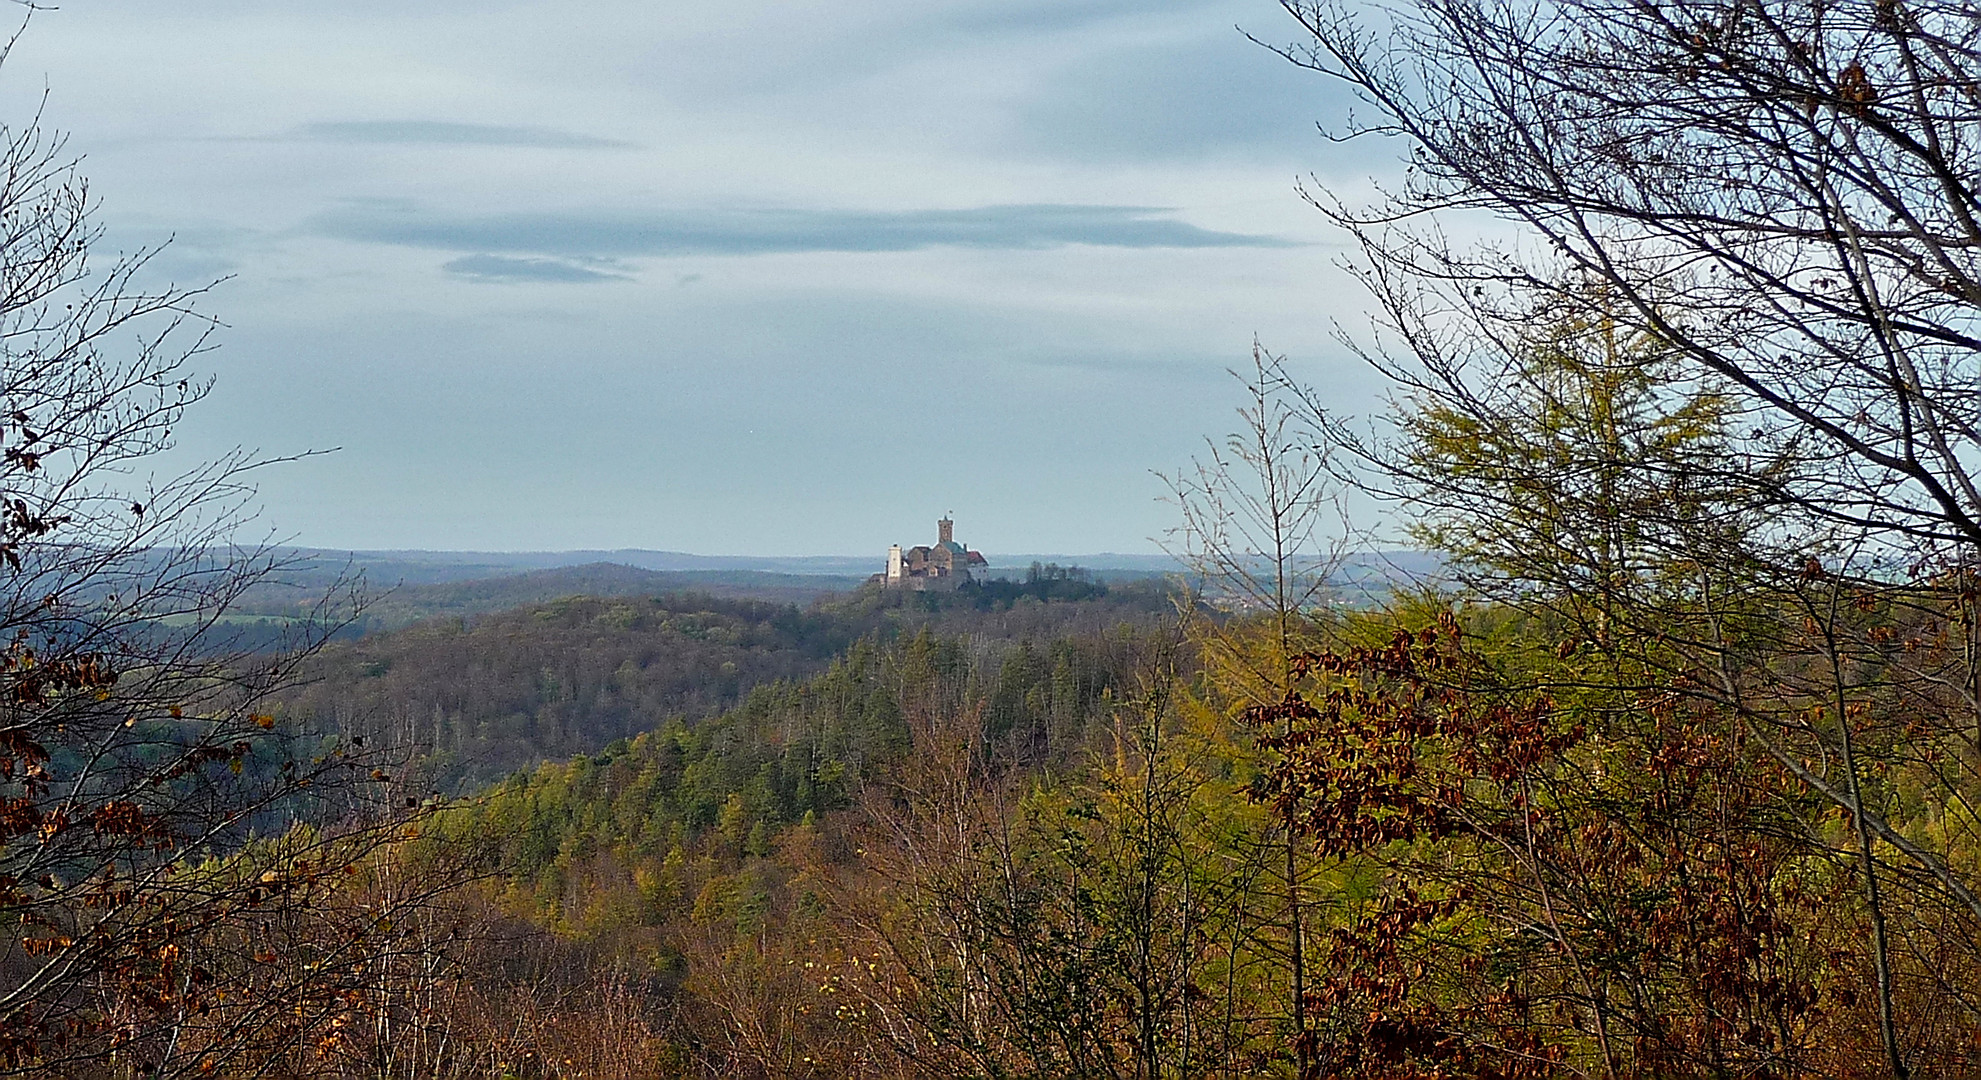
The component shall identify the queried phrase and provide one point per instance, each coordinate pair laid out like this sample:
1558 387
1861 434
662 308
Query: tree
1256 513
1773 208
1555 885
147 855
1091 925
1783 195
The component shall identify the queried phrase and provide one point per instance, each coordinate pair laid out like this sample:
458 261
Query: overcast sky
743 277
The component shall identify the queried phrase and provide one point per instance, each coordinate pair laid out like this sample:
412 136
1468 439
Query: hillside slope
477 696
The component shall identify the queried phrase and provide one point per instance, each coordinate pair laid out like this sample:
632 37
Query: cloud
501 268
1055 16
445 133
1205 95
584 235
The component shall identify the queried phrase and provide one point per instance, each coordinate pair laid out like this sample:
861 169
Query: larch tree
1756 227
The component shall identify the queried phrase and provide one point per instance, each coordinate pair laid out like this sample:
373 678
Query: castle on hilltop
941 568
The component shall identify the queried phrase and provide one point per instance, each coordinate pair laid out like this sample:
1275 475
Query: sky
738 277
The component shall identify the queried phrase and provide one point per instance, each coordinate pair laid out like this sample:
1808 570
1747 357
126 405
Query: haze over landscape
990 540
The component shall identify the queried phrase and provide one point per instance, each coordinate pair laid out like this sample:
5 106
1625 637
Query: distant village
942 567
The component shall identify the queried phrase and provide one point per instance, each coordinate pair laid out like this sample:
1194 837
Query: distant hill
482 685
435 567
485 694
411 603
404 587
391 567
389 602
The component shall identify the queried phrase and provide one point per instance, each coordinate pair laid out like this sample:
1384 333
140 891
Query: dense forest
475 697
1670 770
698 874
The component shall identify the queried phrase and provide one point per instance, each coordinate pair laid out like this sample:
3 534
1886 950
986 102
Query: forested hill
390 603
680 835
408 604
479 696
486 695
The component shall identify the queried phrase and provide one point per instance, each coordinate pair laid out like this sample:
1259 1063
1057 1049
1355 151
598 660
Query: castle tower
945 531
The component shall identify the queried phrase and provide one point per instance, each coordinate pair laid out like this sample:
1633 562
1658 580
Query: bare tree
147 798
1776 205
1782 194
1083 928
1262 534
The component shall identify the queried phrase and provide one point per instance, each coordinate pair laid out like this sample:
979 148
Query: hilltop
481 688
